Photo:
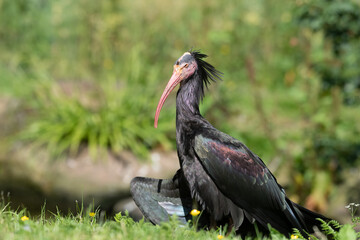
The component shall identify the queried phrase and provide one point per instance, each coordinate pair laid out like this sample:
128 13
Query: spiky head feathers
205 69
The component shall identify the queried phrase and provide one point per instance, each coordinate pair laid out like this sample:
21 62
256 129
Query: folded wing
243 177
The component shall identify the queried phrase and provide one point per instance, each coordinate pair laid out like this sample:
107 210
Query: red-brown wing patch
239 159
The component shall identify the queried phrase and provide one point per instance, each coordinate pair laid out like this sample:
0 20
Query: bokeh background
80 81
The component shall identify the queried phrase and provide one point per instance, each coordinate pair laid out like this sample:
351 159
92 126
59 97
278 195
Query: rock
32 178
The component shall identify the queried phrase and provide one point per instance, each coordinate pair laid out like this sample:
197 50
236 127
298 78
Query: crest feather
206 70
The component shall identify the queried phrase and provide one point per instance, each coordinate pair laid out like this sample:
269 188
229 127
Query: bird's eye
186 65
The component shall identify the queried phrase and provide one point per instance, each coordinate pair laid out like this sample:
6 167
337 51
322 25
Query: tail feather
293 216
310 218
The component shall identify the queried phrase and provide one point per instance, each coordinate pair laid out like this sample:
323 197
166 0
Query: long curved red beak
173 82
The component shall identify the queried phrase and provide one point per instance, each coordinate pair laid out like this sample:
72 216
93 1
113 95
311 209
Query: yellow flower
294 236
220 236
24 218
91 214
194 212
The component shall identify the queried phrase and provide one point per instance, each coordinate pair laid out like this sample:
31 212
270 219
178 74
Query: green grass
83 226
17 224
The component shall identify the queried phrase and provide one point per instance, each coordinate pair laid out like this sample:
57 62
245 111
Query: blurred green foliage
90 73
339 22
112 115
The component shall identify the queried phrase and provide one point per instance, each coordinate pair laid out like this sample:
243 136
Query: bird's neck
188 99
188 115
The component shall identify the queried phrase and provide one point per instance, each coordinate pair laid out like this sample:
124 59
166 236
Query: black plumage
229 182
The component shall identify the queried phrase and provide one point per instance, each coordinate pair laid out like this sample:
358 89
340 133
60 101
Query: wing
160 198
238 172
243 177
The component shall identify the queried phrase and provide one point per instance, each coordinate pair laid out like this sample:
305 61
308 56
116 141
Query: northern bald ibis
229 182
